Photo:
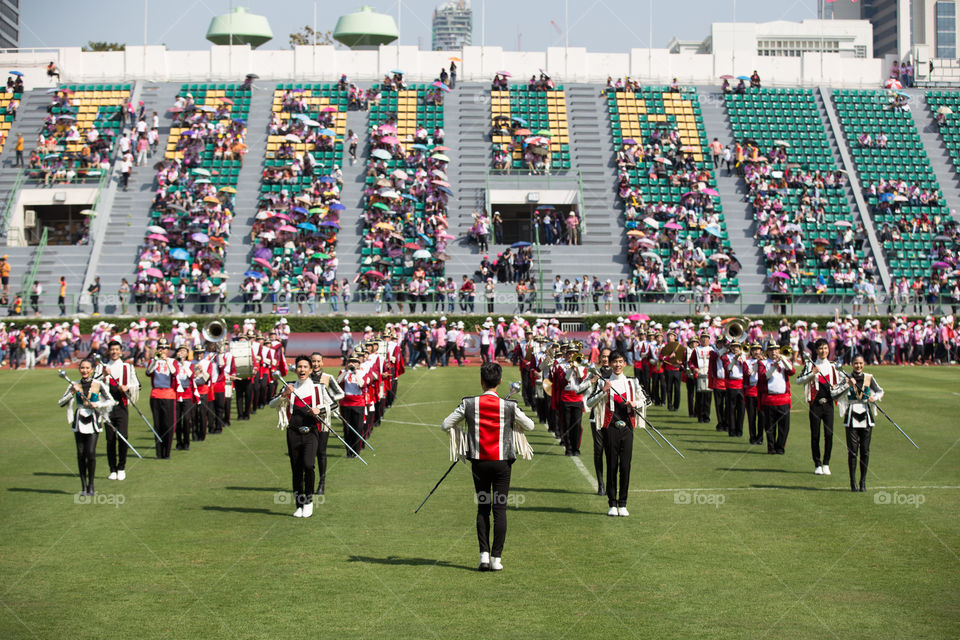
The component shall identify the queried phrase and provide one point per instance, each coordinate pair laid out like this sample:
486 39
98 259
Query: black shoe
863 486
601 490
484 566
780 452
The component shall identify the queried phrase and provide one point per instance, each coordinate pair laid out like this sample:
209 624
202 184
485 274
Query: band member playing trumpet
774 390
87 402
124 387
575 381
858 400
820 382
187 399
734 367
672 355
163 371
621 398
750 397
333 393
353 381
301 405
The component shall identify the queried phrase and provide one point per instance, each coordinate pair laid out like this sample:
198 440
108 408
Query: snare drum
242 352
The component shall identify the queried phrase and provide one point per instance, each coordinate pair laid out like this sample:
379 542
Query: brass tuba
735 330
215 331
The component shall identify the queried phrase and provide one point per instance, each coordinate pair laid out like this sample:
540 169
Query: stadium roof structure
365 29
240 28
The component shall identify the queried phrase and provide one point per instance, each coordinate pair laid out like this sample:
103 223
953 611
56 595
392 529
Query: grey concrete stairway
943 167
737 213
351 220
248 188
130 214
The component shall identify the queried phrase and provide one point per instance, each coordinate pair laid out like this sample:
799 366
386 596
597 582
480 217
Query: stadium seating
636 116
6 121
537 111
950 135
771 116
904 158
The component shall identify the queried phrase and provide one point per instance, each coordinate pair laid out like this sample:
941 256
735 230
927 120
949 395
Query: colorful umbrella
253 274
155 229
440 157
780 274
673 225
287 228
373 274
153 273
638 317
202 238
306 226
262 261
422 254
713 230
157 237
179 254
381 154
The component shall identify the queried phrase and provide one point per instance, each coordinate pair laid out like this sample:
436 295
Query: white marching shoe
818 471
826 470
121 475
495 564
112 476
613 512
298 513
308 510
622 512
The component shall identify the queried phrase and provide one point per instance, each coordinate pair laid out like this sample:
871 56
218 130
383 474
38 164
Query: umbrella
635 233
673 225
153 273
517 245
253 76
940 265
781 143
710 192
157 237
780 274
713 230
726 76
662 160
422 254
389 193
15 73
200 171
411 245
310 123
265 263
445 190
821 241
327 179
179 254
441 147
65 117
650 222
743 77
441 183
384 225
397 71
390 140
300 210
886 197
638 317
419 146
843 223
522 132
282 216
262 252
646 242
373 274
202 238
329 109
226 100
719 257
155 229
326 132
455 59
440 157
399 174
286 228
228 190
892 83
544 132
320 255
381 154
945 110
203 181
629 141
901 198
382 206
307 226
291 137
505 74
942 238
310 276
211 199
651 255
253 274
440 85
336 206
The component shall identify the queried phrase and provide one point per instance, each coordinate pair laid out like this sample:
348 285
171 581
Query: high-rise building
9 24
452 25
924 29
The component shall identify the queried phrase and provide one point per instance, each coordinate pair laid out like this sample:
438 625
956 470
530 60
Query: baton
350 426
637 412
885 415
99 359
63 374
276 374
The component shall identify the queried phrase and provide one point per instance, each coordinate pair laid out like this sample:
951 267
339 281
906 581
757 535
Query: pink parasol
157 237
153 273
287 228
265 263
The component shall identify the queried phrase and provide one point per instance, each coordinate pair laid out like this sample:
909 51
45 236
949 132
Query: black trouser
164 421
491 481
821 413
691 395
221 408
571 414
598 450
657 390
185 409
735 408
672 380
323 437
62 303
302 449
119 418
241 389
87 458
501 348
720 403
754 419
777 418
858 440
643 377
618 444
701 405
354 417
201 422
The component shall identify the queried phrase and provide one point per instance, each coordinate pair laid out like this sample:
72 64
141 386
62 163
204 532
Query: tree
305 37
103 46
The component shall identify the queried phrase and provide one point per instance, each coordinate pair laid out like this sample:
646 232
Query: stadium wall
576 64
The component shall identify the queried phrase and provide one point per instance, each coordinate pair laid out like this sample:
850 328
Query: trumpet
215 331
735 330
787 352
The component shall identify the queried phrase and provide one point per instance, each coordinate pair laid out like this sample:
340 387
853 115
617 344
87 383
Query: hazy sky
598 25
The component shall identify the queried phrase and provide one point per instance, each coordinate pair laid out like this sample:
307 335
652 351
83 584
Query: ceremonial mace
63 374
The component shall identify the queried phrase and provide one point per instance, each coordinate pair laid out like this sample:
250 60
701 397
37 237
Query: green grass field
203 545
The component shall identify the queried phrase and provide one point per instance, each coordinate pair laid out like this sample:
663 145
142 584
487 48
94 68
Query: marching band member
243 387
857 398
621 398
734 366
597 417
353 382
774 388
87 420
672 356
699 364
332 393
187 399
575 382
820 380
124 387
718 382
655 368
750 383
163 371
300 405
490 449
223 383
204 370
